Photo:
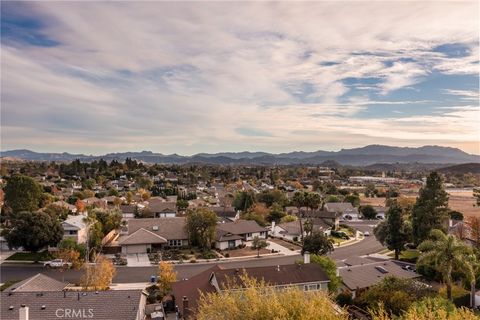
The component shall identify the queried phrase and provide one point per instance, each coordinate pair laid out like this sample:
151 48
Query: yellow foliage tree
98 276
166 276
71 256
260 301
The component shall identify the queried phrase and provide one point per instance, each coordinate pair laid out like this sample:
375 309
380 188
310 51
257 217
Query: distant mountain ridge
365 156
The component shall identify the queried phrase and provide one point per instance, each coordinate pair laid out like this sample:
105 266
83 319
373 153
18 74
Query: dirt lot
372 201
463 201
459 200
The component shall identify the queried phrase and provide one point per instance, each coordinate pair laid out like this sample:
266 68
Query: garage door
137 248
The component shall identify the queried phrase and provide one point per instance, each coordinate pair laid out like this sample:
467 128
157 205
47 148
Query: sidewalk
5 254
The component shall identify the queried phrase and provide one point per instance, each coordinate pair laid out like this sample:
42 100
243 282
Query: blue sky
98 77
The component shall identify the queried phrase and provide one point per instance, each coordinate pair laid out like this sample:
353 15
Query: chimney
23 315
306 257
185 306
273 226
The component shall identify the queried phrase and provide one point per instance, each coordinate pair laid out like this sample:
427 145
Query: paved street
10 271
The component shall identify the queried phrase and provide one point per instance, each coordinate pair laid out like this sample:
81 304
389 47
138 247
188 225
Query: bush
344 299
193 260
227 255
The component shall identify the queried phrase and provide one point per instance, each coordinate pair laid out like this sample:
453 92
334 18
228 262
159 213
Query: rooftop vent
155 228
381 269
43 307
10 308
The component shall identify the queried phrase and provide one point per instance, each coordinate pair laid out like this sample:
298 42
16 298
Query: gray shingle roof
168 228
75 221
142 236
241 227
38 282
104 305
364 276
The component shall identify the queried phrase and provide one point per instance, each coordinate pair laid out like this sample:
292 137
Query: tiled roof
104 305
37 283
142 236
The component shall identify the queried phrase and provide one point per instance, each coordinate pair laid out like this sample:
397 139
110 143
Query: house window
249 235
262 234
311 287
72 232
174 243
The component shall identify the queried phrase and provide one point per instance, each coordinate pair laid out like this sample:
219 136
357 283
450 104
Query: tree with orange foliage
80 205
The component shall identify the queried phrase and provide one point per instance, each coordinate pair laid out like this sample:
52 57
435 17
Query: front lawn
31 256
410 255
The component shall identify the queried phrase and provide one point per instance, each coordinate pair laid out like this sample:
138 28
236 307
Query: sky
189 77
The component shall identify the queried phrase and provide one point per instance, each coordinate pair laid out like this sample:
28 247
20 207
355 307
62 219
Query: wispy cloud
190 77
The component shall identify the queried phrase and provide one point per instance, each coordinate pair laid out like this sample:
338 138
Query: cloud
178 77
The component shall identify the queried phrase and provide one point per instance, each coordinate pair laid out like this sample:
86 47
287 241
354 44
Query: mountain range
365 156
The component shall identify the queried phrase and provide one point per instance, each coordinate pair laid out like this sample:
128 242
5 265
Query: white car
366 234
57 263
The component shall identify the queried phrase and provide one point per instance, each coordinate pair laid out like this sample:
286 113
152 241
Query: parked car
57 263
366 233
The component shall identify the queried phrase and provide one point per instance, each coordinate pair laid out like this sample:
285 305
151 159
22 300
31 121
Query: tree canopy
201 226
317 243
22 193
34 231
430 209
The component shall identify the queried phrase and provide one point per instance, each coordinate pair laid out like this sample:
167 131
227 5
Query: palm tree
448 255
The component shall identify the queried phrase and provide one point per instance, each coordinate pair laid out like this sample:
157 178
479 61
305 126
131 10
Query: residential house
291 230
462 230
162 209
66 205
332 218
344 209
381 212
307 277
227 214
247 229
37 283
98 305
128 211
152 234
357 278
95 202
74 227
233 234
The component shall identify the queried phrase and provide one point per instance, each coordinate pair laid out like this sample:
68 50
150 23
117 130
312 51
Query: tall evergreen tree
430 209
398 233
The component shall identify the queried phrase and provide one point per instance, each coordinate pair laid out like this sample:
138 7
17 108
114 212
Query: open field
459 199
463 201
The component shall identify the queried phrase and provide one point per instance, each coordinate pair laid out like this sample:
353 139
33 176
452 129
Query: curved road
10 271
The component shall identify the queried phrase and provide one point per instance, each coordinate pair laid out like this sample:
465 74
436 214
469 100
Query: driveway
282 249
138 260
